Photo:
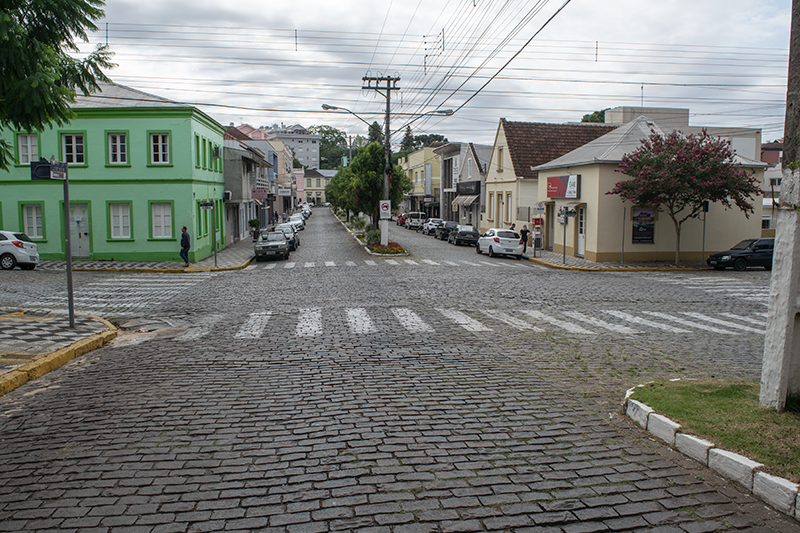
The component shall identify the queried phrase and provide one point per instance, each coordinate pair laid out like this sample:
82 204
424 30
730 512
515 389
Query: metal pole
622 255
703 253
566 219
68 254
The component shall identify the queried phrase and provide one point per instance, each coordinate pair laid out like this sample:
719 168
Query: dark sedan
749 252
444 230
463 235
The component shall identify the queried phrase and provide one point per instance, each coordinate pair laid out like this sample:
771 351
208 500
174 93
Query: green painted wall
190 176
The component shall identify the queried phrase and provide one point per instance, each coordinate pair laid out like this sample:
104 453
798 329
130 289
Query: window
28 149
499 158
197 159
469 168
319 182
120 217
490 203
159 148
766 222
308 182
72 148
772 181
32 215
117 148
161 220
508 207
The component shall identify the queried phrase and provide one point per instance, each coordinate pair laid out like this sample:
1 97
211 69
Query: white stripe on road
392 262
290 264
572 328
698 316
411 262
250 266
309 264
330 264
510 320
370 262
469 324
360 322
270 266
625 330
410 320
744 318
255 326
350 263
638 320
450 263
689 323
490 264
309 323
434 263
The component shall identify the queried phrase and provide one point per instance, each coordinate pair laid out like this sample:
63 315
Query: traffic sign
386 209
206 205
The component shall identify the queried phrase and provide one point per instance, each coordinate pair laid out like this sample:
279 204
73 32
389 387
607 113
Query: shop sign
644 223
564 186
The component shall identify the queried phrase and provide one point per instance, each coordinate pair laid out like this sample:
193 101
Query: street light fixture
327 107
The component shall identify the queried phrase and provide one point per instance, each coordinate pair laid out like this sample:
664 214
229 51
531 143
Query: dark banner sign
564 186
644 223
468 187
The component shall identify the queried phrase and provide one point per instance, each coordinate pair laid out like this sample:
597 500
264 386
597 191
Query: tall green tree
339 191
597 116
408 140
367 171
39 80
421 141
679 173
332 146
375 133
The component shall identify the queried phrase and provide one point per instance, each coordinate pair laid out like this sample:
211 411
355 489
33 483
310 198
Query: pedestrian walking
274 218
513 227
284 216
185 245
524 234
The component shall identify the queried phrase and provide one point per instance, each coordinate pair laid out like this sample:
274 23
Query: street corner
196 269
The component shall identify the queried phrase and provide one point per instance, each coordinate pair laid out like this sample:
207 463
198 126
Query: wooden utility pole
780 368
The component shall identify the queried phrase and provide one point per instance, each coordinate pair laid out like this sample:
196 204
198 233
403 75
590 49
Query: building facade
463 180
140 167
304 145
422 168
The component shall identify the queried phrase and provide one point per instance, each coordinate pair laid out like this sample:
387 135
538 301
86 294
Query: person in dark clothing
185 246
524 234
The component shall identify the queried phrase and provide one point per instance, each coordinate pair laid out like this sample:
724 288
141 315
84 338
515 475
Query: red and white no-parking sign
386 209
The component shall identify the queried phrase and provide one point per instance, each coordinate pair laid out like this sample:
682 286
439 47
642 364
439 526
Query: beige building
314 187
423 170
604 226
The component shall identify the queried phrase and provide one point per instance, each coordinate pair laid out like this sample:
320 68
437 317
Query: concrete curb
168 270
617 269
780 493
48 362
366 248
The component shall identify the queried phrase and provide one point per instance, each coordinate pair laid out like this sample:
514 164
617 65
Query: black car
292 235
444 230
749 252
463 235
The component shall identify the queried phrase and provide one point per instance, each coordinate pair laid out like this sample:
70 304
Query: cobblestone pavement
396 398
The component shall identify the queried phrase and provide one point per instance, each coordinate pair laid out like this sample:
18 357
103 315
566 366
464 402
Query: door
581 231
79 234
550 227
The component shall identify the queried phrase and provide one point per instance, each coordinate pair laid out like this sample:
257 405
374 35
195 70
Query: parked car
292 235
401 220
415 219
272 244
443 231
463 235
498 241
749 252
299 221
430 225
16 248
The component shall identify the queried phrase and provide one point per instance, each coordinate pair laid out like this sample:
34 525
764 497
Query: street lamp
327 107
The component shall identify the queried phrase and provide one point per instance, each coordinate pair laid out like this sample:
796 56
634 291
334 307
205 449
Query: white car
16 248
430 225
298 220
498 241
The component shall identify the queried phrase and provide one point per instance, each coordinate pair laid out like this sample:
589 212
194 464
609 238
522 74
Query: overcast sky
269 62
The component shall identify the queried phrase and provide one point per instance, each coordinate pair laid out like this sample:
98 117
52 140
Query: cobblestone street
440 392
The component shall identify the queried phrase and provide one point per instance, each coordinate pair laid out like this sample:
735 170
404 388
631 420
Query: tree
339 191
39 80
679 174
375 133
407 145
367 169
332 146
597 116
421 141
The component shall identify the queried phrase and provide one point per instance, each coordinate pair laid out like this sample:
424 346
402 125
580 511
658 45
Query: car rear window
22 237
508 234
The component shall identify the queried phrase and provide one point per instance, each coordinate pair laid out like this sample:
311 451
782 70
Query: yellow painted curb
49 362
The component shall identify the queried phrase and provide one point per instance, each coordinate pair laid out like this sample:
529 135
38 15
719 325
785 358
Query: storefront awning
465 199
257 201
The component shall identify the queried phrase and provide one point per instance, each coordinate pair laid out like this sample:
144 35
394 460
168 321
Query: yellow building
423 170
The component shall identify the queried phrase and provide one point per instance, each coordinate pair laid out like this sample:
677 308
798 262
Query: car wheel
491 252
519 257
285 257
739 264
767 267
477 248
8 262
718 267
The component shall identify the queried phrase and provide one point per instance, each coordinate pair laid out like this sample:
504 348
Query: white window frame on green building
117 148
27 148
158 229
120 226
32 219
73 148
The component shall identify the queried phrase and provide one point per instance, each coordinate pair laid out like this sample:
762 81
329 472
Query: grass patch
727 413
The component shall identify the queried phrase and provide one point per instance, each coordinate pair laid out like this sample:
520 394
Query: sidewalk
557 260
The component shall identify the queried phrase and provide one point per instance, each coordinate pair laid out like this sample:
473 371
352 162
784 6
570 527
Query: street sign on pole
385 209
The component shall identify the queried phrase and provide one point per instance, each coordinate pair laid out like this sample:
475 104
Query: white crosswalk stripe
722 322
309 323
290 264
752 320
463 320
410 262
625 330
684 322
428 261
642 321
572 328
510 320
352 263
330 264
255 325
360 322
410 320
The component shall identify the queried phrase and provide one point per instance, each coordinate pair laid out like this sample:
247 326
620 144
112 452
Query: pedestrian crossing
290 265
125 296
730 287
362 321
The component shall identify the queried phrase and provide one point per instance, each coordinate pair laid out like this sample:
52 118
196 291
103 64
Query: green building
139 168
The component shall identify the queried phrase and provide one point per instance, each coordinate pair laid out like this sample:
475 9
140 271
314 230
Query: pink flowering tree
678 173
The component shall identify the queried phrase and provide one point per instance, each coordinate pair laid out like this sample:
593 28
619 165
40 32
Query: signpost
386 209
58 170
210 205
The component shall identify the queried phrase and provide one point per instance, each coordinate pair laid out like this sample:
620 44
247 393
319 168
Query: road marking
469 324
470 263
434 263
411 262
370 262
490 264
290 264
309 323
251 266
410 320
255 325
625 330
200 329
572 328
450 263
510 320
392 262
744 318
350 263
638 320
270 266
309 264
722 322
330 264
360 322
689 323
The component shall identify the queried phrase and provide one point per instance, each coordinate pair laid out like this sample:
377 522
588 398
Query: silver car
291 234
16 248
272 244
498 241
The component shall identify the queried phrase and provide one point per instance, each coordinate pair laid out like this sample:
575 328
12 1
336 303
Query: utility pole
387 84
780 367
